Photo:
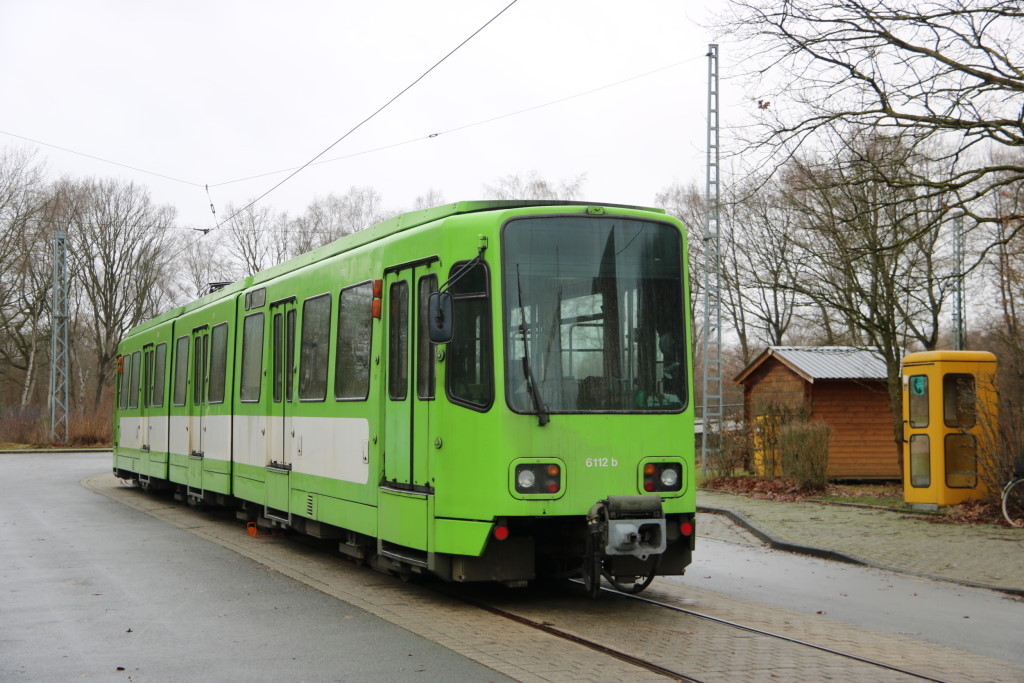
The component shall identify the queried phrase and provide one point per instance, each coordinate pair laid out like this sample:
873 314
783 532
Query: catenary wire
465 126
97 158
371 116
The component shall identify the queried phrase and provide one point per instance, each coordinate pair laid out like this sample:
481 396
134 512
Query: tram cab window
594 307
470 369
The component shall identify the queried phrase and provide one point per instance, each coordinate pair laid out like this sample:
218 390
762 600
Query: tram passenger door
410 378
147 400
197 407
281 432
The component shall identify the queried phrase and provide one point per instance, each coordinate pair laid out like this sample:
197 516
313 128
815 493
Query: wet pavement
981 555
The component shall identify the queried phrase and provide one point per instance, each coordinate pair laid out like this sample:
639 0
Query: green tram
487 391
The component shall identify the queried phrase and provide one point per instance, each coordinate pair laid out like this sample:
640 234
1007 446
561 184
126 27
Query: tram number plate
602 462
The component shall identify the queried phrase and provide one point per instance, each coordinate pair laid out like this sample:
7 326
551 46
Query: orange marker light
378 289
649 469
553 470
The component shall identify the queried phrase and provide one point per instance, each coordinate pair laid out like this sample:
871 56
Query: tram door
411 377
197 407
147 400
280 435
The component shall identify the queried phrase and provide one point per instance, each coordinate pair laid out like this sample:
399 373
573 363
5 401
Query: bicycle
1013 495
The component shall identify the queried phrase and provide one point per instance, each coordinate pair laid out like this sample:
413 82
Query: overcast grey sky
210 92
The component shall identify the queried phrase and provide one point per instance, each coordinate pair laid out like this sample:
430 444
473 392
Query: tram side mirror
440 317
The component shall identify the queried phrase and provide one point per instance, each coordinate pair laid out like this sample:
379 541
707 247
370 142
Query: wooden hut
842 386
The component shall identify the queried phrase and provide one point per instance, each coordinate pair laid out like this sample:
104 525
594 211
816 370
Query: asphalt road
92 589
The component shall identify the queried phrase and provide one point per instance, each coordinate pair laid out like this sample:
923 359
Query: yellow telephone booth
947 396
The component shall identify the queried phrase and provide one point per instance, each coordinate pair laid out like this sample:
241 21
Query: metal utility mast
59 340
959 306
712 414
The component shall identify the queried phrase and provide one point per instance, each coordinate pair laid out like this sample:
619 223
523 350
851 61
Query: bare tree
429 199
532 186
945 70
329 218
255 238
872 250
119 257
24 271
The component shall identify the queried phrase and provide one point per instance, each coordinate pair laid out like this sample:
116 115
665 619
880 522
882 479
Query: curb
835 555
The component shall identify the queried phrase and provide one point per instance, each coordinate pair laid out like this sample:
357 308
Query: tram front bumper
628 526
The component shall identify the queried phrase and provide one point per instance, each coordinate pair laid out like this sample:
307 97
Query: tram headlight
525 479
538 478
662 476
669 477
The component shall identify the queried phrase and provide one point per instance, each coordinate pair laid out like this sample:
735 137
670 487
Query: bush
803 447
20 426
93 429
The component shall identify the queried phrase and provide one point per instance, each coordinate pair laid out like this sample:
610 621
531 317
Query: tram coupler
628 525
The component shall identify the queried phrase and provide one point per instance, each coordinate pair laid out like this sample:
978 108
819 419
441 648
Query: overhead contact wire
374 114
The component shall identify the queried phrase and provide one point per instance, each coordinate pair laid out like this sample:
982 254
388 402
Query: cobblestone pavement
982 555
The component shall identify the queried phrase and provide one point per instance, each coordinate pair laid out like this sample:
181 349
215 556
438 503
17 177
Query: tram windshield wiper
531 384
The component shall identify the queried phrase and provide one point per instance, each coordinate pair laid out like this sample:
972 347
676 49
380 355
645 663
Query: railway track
826 657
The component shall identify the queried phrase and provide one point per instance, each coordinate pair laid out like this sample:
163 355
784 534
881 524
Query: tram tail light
538 478
662 476
686 528
500 532
378 293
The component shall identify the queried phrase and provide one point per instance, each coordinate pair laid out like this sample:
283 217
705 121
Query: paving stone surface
975 554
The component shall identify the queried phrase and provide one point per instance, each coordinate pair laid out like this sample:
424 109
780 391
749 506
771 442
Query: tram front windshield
593 313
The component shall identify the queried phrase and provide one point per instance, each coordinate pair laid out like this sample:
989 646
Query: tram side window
398 342
252 357
159 370
470 370
147 378
355 328
126 373
133 390
314 354
426 364
959 407
181 371
218 362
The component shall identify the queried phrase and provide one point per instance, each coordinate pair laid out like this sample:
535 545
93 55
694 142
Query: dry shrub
24 427
771 418
93 429
803 447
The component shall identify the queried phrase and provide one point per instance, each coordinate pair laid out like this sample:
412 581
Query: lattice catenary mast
59 340
712 413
